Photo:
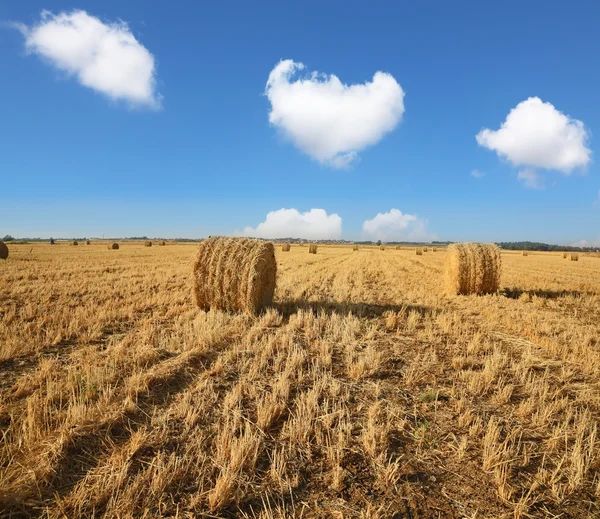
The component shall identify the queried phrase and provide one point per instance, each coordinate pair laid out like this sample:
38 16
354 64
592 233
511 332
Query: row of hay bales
239 274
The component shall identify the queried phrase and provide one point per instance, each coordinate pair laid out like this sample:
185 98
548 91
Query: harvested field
362 391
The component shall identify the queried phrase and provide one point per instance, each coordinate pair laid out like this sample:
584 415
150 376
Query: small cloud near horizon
397 226
315 224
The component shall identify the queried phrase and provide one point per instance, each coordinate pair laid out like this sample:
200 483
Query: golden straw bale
424 249
355 247
382 247
433 249
312 248
113 246
472 268
574 256
286 247
3 250
524 253
234 274
398 247
147 243
565 255
74 243
162 243
419 251
88 242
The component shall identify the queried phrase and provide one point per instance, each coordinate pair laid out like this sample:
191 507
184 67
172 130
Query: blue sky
196 153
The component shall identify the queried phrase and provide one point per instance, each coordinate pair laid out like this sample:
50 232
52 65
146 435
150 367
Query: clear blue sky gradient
73 163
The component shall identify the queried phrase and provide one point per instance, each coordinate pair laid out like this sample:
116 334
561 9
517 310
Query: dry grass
234 274
363 392
472 268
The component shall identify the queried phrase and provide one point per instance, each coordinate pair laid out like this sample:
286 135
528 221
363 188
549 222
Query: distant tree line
534 245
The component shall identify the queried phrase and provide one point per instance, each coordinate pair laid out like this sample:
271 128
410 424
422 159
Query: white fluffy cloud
477 174
531 179
315 224
396 226
328 120
104 57
536 134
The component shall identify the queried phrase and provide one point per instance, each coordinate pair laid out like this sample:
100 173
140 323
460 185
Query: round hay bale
148 243
74 243
234 274
113 246
433 249
574 256
381 247
88 242
355 247
565 255
419 251
424 249
286 247
472 268
3 250
312 248
398 247
524 253
162 243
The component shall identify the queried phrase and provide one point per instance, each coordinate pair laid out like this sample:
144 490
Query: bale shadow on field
368 310
515 293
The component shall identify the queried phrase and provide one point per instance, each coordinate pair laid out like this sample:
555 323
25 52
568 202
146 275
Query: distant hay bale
312 248
74 243
398 247
424 249
162 243
148 243
419 251
87 242
286 247
565 255
382 247
524 253
234 274
113 246
355 247
472 268
3 250
574 256
433 249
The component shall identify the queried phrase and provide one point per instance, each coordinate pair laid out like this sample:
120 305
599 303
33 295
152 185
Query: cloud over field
531 179
105 57
315 224
536 134
396 226
328 120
